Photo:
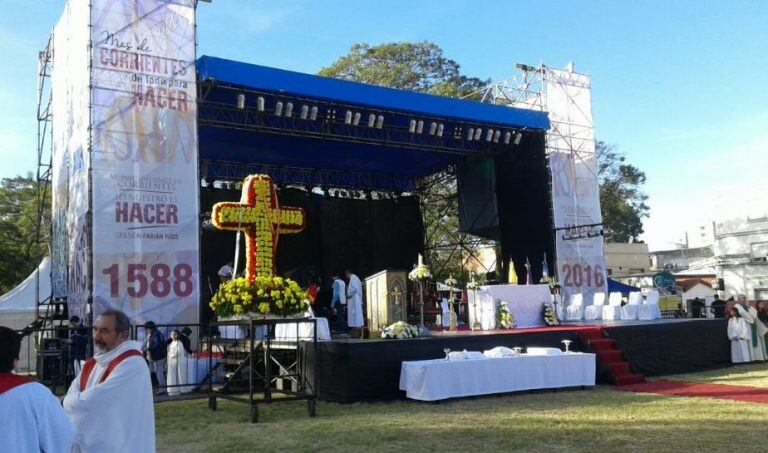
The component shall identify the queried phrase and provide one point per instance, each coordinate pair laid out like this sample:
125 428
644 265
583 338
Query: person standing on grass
756 329
762 315
739 335
31 418
110 401
155 351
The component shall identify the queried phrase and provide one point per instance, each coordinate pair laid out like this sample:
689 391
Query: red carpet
717 391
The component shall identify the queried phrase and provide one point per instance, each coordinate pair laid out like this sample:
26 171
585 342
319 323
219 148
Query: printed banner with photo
575 188
70 274
144 160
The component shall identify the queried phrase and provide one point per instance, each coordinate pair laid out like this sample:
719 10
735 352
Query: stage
364 370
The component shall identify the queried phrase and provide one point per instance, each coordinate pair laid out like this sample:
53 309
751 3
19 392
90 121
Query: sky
681 87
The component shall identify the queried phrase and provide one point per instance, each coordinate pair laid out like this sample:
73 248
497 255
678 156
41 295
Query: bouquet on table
550 315
504 318
259 297
400 330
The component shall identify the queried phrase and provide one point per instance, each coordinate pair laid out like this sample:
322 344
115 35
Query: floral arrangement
260 296
550 315
504 318
400 330
260 216
420 274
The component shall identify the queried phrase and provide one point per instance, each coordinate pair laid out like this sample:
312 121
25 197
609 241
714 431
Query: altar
524 301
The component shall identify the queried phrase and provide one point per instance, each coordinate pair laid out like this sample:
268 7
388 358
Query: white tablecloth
287 332
525 301
431 380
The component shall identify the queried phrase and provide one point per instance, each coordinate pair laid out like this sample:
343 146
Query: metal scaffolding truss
571 129
44 146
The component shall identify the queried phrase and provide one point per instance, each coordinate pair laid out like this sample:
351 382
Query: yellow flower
238 309
264 307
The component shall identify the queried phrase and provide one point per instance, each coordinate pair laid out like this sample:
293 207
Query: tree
418 67
20 249
622 199
421 67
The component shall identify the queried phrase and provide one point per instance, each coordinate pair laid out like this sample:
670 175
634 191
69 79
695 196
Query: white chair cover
629 311
612 311
575 310
650 309
595 311
559 307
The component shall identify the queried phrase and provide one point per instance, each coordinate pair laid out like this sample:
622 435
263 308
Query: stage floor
359 370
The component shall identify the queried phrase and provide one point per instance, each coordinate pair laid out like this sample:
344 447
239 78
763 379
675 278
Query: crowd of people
108 406
747 329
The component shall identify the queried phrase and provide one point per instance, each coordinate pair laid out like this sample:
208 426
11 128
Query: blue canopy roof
374 157
319 87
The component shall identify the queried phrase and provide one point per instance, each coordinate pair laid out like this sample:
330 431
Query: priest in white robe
354 301
739 336
110 401
31 418
178 361
446 309
755 327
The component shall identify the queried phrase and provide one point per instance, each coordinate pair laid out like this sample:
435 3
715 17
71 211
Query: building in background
626 259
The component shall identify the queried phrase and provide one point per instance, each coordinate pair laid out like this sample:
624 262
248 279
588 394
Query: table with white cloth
432 380
287 332
524 301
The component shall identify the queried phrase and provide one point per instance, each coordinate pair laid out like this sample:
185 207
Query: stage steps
610 356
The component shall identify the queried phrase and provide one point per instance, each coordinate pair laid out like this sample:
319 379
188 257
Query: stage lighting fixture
470 134
507 137
260 103
496 135
348 117
289 109
440 128
478 133
420 127
304 111
458 131
371 120
412 126
356 119
279 108
380 122
489 135
518 137
432 128
313 113
241 101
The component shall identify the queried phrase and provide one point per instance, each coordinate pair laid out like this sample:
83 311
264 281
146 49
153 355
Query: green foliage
418 67
20 251
622 199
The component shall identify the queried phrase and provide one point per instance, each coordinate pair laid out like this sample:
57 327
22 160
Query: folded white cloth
463 355
543 351
499 351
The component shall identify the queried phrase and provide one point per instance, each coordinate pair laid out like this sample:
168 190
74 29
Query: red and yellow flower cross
262 219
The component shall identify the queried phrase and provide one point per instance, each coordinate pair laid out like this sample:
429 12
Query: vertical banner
575 186
70 78
144 159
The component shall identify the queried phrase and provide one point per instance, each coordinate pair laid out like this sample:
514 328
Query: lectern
385 297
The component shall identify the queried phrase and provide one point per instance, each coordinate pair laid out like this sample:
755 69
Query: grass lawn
596 420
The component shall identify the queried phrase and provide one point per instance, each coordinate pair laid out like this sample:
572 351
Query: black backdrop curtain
365 236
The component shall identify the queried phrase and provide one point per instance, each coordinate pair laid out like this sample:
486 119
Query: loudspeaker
50 366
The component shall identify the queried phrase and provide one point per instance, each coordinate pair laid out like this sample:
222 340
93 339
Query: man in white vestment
739 336
110 401
755 327
178 361
31 418
354 301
